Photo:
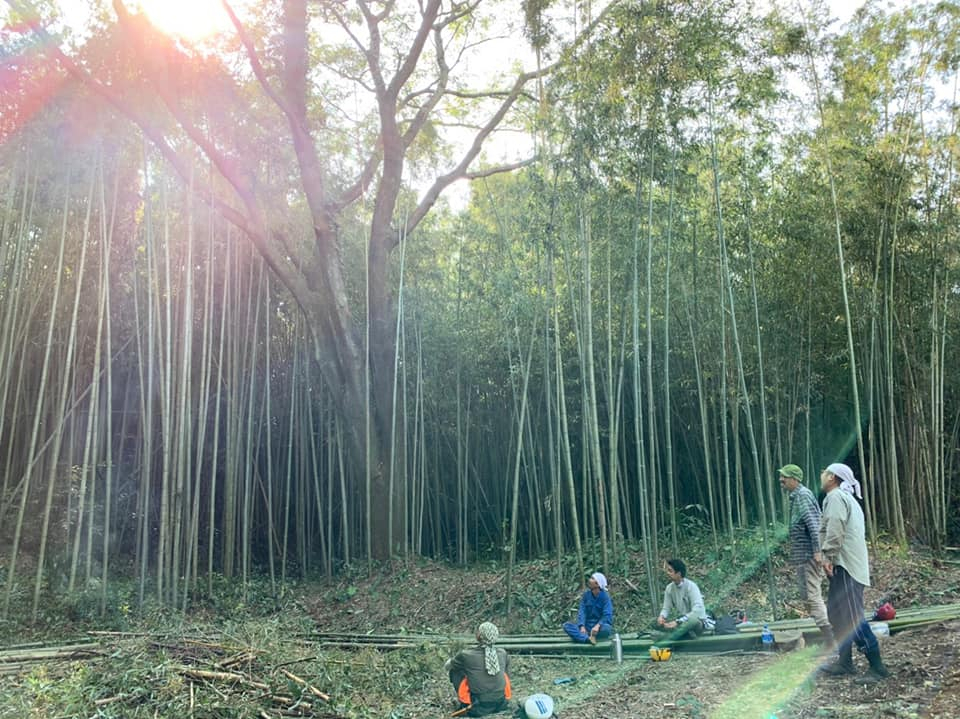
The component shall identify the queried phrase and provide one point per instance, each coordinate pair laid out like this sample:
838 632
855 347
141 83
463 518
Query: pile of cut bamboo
201 661
635 645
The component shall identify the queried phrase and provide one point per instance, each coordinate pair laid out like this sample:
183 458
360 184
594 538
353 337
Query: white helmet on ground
538 706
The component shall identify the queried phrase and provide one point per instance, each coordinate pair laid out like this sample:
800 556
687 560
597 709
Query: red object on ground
885 612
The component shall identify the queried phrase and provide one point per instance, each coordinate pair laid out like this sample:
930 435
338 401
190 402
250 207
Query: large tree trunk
386 514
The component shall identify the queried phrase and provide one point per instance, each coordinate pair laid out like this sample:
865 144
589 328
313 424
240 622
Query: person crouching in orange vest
479 675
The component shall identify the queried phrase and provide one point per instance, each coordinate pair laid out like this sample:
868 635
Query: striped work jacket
804 525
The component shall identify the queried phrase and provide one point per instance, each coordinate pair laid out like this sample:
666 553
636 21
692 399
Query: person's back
483 687
479 674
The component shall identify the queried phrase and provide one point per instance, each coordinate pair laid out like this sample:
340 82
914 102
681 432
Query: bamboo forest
341 321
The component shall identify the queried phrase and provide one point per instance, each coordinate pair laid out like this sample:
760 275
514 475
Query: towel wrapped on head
848 482
487 635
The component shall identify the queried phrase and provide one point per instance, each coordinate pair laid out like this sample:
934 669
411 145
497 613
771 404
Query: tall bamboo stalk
653 455
667 409
525 365
24 486
591 415
647 525
740 367
107 248
563 428
65 387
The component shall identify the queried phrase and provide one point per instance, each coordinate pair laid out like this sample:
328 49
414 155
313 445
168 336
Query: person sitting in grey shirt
683 610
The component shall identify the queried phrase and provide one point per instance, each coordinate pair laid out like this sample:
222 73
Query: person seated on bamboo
595 615
683 609
479 675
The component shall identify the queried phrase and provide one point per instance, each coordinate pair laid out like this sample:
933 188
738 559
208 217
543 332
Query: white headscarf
847 481
601 580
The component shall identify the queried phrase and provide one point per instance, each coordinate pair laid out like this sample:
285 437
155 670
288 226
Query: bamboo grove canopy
248 324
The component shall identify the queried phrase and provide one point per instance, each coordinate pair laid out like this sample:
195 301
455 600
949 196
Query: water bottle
616 649
766 638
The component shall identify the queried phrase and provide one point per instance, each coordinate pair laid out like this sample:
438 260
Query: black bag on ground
725 625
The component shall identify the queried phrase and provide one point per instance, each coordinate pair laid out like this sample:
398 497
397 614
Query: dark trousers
845 610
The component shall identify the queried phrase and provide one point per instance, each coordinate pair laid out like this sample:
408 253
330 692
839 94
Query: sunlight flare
191 20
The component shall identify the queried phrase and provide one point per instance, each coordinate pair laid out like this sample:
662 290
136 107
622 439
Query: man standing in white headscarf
843 552
595 615
479 674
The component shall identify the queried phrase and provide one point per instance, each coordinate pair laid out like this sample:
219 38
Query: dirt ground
924 662
148 669
925 685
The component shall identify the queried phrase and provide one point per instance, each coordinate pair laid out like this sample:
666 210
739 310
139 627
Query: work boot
842 666
877 667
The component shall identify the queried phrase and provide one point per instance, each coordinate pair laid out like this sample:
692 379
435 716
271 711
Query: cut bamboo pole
233 677
309 687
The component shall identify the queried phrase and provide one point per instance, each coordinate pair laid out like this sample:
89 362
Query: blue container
766 638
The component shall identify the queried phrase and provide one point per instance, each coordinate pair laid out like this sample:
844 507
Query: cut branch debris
221 676
309 687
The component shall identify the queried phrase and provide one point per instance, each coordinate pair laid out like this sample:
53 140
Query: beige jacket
843 539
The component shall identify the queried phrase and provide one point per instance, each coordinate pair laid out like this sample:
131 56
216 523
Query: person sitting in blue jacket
595 616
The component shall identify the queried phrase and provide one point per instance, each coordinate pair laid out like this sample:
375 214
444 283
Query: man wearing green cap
805 547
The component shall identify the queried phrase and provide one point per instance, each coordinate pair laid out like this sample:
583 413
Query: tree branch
372 53
444 181
347 76
498 169
295 69
485 94
409 63
410 97
356 190
420 119
461 169
255 63
456 13
226 166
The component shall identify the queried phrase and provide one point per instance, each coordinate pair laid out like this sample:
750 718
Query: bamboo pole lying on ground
232 677
633 643
38 654
15 659
306 685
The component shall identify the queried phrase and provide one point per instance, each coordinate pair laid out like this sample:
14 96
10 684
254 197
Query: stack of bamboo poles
634 644
206 660
21 657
